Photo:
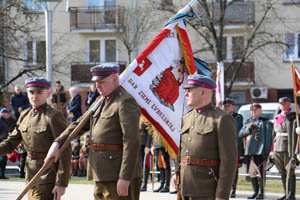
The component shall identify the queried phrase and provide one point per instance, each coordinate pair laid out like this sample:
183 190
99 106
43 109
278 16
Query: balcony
246 73
237 13
95 19
80 72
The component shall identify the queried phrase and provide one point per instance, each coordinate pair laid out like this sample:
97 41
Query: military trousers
281 159
41 192
198 198
108 190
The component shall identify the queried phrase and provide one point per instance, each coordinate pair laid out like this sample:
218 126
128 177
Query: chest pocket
39 130
185 129
205 130
107 115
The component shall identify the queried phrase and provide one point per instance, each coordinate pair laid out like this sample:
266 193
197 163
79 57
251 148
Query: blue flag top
204 67
180 16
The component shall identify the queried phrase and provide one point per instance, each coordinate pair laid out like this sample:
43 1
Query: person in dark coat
92 96
59 99
74 105
4 114
18 102
229 108
257 134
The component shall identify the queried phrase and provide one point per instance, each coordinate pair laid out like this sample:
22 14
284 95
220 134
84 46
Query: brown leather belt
36 155
201 162
106 147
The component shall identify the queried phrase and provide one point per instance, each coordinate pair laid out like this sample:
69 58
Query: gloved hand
298 130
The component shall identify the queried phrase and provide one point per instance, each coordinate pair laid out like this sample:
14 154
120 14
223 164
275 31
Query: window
233 47
93 3
35 5
110 3
35 53
238 45
293 40
94 50
291 1
102 50
165 3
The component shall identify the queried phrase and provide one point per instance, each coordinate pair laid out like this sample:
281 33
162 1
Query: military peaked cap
5 110
37 83
228 100
102 71
198 80
284 99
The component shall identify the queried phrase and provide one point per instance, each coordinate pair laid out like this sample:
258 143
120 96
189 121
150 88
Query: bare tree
210 25
135 24
17 25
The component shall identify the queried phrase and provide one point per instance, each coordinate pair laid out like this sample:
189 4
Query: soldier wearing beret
229 108
37 127
115 140
257 132
284 145
208 149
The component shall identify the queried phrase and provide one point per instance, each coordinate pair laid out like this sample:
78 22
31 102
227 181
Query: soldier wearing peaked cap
115 140
208 148
37 128
284 144
228 104
257 134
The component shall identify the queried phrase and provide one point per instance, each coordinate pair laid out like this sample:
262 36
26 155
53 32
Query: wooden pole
71 137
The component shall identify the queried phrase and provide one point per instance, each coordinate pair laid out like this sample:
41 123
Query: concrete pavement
9 190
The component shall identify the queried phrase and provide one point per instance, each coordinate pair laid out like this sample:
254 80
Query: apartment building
87 32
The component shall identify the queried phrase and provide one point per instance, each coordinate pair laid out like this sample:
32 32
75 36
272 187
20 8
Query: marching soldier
229 108
284 145
208 150
37 128
257 132
115 140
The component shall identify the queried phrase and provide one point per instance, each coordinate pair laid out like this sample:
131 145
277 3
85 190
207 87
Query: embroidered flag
157 76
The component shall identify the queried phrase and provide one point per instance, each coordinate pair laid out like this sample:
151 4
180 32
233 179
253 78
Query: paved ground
10 190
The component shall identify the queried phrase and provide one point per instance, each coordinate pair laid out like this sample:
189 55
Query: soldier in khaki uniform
285 141
115 140
208 150
37 128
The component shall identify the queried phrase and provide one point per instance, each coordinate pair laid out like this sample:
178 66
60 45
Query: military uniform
285 140
115 142
208 149
257 148
38 128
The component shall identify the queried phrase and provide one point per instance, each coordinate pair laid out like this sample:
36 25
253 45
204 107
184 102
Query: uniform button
195 115
189 139
186 150
110 157
92 138
193 127
28 125
28 137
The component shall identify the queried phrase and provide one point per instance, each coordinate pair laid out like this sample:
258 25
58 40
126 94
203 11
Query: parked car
269 110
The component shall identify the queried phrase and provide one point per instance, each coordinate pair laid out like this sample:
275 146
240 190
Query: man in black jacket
4 114
18 101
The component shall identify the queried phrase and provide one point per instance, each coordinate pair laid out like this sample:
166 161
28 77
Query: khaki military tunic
116 121
208 134
38 130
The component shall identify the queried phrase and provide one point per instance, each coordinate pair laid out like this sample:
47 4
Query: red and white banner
296 75
156 79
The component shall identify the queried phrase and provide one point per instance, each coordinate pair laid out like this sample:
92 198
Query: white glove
298 130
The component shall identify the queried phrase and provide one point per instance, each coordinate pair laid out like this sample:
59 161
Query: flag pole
294 92
295 98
